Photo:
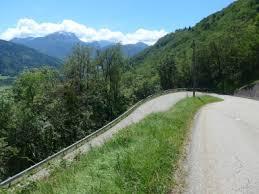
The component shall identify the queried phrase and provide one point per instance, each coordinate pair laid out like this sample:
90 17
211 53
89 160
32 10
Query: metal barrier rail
62 153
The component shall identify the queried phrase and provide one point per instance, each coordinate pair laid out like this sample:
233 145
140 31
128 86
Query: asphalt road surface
224 150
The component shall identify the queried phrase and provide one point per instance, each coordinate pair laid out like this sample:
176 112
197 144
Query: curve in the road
224 148
158 104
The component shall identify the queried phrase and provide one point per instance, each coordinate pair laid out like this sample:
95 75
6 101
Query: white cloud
29 28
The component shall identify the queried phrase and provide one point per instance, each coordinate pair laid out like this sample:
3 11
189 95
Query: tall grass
139 159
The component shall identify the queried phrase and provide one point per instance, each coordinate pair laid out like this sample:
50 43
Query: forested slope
227 47
14 58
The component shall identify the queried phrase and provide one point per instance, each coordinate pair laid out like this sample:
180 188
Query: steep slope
231 35
14 58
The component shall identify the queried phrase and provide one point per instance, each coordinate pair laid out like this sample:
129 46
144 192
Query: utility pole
193 68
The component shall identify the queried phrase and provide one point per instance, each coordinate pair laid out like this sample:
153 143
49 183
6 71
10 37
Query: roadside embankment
249 91
141 158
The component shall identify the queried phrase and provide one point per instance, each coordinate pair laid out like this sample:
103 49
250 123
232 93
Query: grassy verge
139 159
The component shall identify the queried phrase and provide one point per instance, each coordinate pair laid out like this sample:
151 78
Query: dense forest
48 109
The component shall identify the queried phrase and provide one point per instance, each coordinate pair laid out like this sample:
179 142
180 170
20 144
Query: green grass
139 159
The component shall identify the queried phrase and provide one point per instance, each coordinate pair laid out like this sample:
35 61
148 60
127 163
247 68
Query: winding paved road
224 150
158 104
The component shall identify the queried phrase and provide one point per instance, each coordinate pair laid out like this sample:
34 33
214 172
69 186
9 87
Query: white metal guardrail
62 153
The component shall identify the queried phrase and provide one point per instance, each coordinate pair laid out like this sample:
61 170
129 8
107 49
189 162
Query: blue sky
126 16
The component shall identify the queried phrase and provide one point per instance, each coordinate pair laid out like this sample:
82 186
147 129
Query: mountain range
60 44
21 53
14 58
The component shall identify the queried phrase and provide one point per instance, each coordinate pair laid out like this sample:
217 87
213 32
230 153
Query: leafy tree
111 63
6 154
29 131
168 73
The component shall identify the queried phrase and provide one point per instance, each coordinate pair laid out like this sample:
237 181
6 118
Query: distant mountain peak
141 43
63 36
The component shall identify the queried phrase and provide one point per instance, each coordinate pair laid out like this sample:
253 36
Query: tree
79 73
78 69
168 73
6 154
30 123
111 63
6 125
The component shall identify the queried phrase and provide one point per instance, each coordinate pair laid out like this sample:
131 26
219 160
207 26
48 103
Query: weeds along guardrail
56 158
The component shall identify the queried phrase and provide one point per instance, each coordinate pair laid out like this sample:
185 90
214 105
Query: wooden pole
194 69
